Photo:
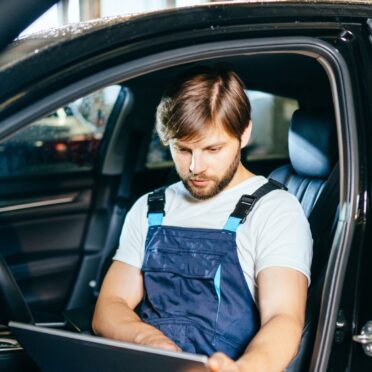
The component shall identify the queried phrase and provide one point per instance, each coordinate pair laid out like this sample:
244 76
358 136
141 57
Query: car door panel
42 236
47 275
48 179
43 255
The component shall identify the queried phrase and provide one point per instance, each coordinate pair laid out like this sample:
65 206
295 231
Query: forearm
274 346
115 319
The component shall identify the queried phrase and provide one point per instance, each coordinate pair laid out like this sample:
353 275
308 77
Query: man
213 276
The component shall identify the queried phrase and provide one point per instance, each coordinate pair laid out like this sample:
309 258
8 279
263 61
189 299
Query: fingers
167 345
161 342
219 362
155 338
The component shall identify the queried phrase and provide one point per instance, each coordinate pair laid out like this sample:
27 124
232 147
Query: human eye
214 149
182 150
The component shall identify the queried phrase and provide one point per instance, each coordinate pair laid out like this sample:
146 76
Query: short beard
219 184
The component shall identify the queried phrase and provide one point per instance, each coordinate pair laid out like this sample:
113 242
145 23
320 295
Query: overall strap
247 202
156 204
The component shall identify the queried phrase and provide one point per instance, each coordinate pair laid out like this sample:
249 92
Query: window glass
159 155
271 116
67 140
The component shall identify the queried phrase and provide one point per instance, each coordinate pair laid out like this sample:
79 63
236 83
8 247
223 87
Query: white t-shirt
276 232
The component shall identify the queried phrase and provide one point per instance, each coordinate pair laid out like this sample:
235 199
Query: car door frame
337 71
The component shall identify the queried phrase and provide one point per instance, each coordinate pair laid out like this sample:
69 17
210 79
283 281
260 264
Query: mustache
199 177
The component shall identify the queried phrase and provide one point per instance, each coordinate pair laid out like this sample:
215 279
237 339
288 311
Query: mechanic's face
210 163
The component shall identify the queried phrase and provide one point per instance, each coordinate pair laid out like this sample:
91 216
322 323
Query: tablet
58 350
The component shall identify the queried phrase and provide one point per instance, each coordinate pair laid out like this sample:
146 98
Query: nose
197 164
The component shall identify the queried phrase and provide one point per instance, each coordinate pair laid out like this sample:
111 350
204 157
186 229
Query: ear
246 136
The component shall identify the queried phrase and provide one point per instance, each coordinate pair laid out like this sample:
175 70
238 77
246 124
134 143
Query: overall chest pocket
183 283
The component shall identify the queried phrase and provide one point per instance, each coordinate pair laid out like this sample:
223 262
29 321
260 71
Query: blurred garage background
71 11
86 118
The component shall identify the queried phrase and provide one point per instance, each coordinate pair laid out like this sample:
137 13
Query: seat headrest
312 143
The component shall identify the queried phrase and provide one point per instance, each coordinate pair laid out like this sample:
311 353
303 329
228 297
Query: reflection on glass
63 141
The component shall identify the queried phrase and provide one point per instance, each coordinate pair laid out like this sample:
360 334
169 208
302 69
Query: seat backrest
313 178
312 149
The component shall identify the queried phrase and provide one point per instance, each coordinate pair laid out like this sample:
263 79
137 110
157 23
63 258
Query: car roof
31 58
26 46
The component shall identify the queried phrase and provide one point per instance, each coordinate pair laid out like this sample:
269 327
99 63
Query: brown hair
201 98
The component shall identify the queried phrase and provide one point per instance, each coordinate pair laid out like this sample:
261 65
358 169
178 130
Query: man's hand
220 362
156 339
114 317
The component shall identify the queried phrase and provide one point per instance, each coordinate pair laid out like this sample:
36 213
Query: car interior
126 169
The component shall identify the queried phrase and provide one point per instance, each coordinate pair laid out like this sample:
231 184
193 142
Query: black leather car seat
312 150
313 178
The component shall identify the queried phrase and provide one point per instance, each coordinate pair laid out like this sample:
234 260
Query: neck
241 175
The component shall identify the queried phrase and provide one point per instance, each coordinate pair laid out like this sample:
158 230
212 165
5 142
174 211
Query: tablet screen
57 350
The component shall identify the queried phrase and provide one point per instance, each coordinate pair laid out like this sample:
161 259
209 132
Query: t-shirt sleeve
283 236
133 235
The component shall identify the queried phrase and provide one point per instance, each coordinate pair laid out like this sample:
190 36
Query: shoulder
276 200
278 207
279 211
279 204
171 192
140 204
282 200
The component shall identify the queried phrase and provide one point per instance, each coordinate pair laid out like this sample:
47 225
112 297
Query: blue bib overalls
195 289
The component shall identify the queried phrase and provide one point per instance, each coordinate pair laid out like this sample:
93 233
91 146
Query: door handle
38 202
365 338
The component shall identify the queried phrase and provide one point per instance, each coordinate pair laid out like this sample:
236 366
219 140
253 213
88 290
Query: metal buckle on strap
244 206
155 203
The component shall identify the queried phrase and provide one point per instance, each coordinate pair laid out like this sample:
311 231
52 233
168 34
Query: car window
271 116
67 140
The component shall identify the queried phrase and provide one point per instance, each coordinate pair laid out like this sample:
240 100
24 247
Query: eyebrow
217 144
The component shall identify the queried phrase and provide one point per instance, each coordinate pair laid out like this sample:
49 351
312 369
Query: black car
63 200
